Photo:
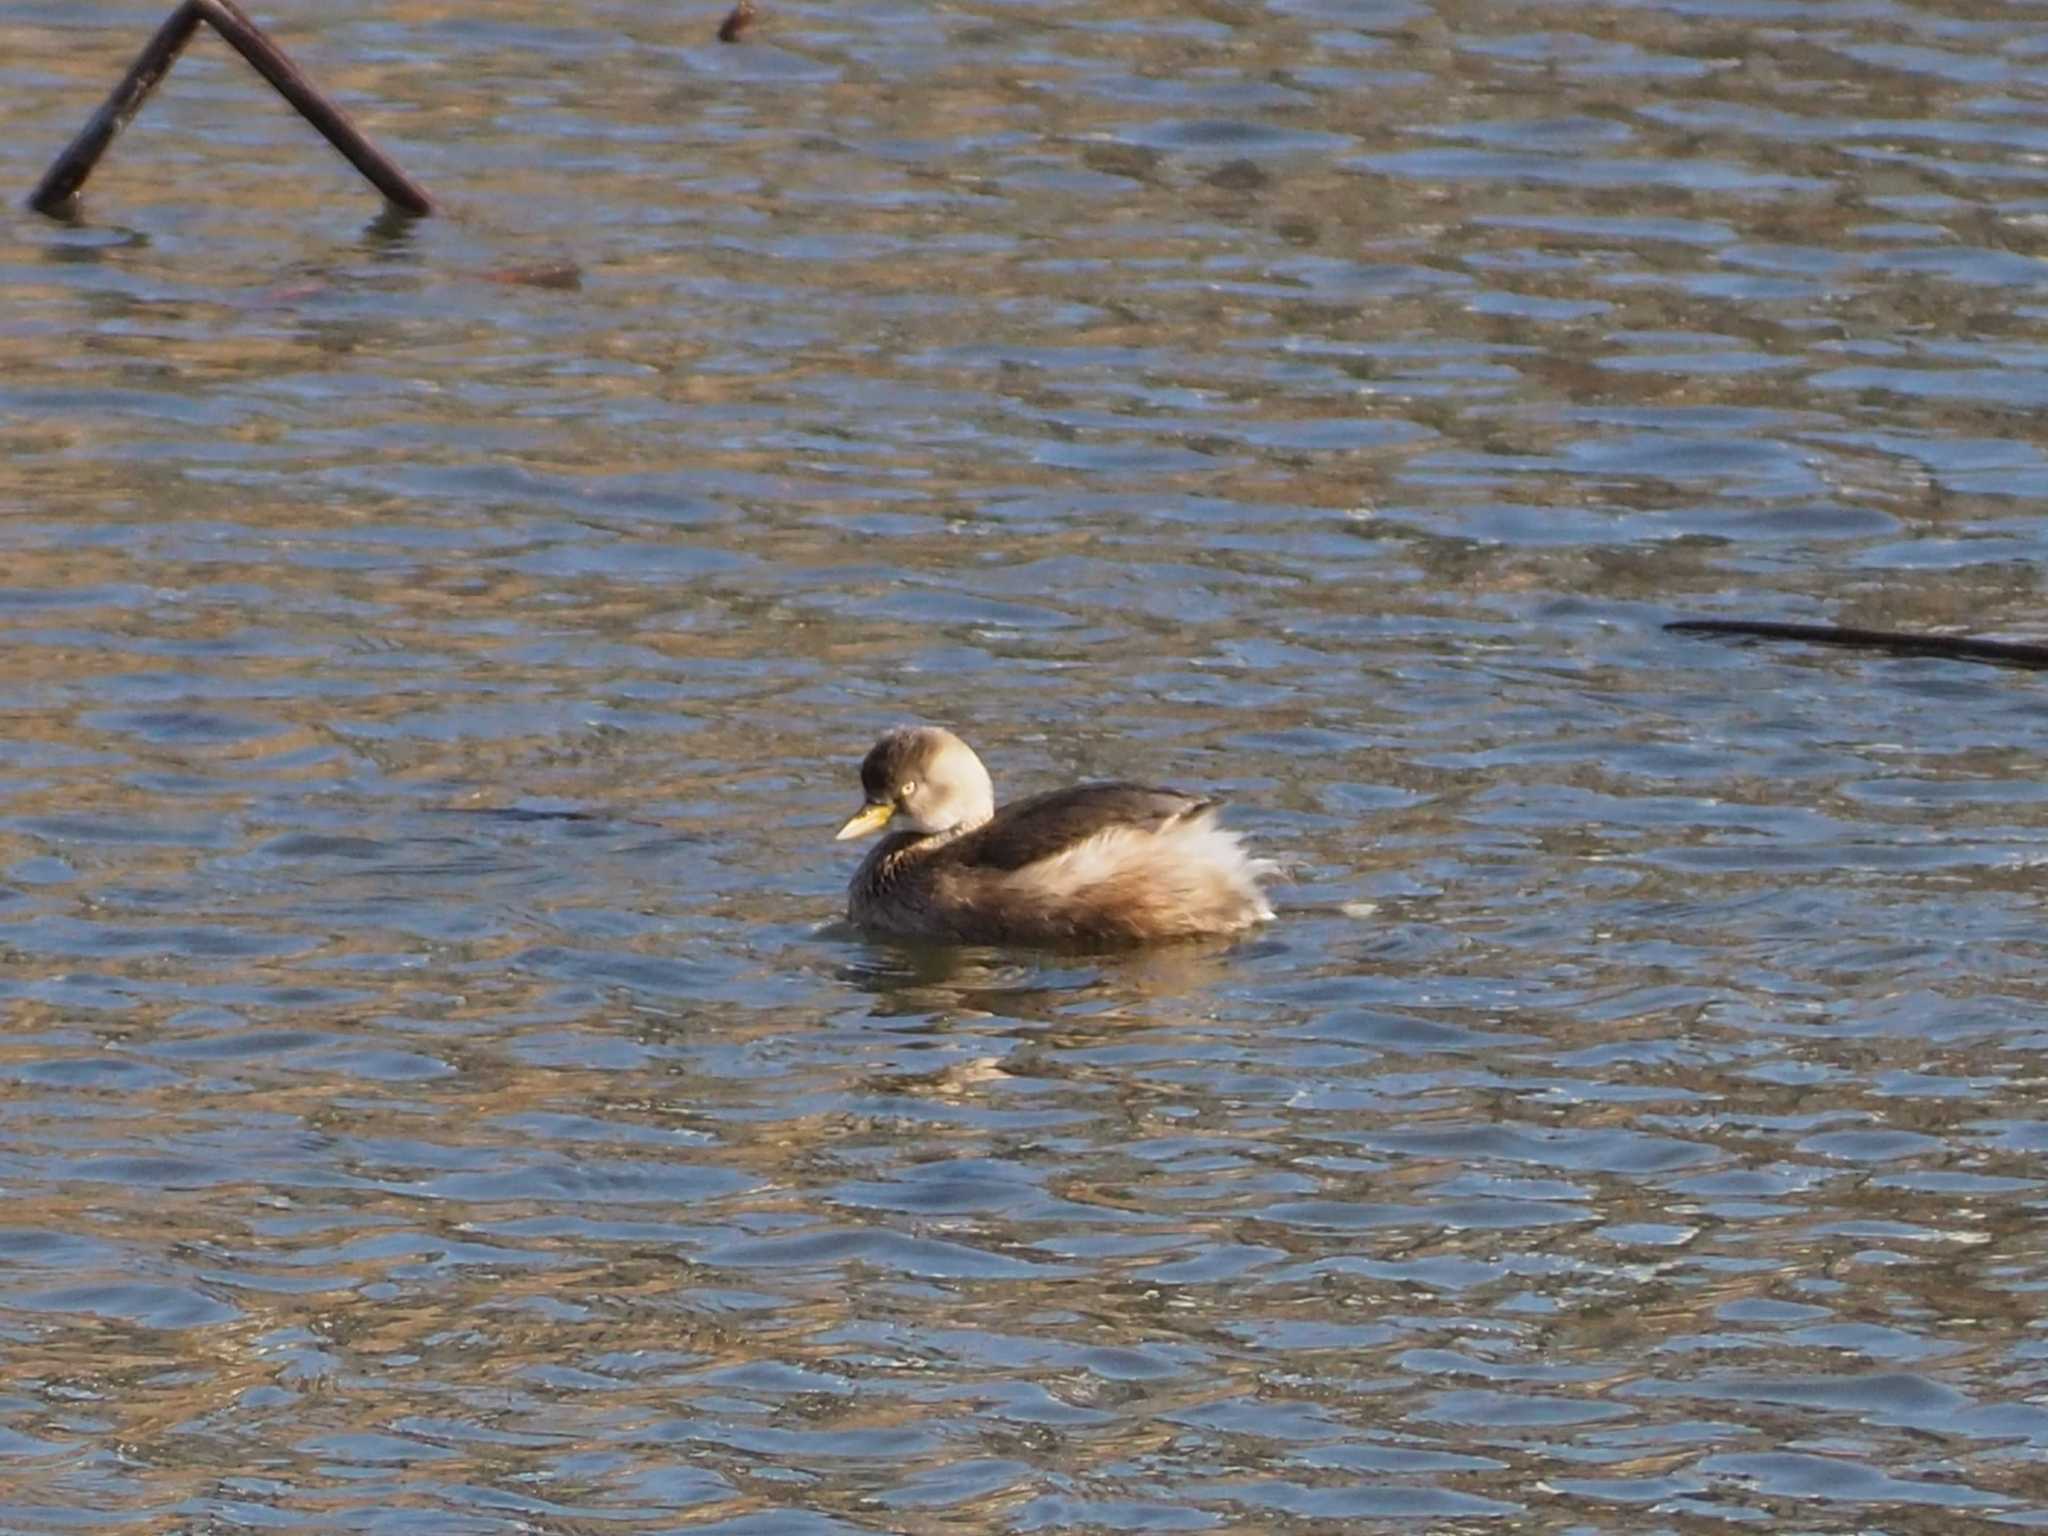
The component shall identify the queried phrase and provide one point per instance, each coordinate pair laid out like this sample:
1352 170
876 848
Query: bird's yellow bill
869 818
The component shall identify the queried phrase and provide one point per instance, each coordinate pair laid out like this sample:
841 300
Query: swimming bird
1090 866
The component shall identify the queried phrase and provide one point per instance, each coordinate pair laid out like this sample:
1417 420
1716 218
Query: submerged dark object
1891 642
68 173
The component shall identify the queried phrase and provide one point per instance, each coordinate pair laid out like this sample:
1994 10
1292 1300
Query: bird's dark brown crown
898 757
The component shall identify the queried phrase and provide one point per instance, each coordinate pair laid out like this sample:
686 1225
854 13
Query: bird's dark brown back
1037 828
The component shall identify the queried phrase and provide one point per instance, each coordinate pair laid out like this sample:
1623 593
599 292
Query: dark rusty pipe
61 183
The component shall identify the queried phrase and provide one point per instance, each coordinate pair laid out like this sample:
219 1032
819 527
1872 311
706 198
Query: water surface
433 1095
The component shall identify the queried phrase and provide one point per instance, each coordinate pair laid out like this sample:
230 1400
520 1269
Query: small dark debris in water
58 189
548 274
737 20
1891 642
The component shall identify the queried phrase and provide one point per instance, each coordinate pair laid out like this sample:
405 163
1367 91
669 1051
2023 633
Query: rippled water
434 1095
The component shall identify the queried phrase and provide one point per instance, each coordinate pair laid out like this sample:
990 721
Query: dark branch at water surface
2010 653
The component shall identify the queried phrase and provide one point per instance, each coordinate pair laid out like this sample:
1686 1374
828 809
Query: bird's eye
909 788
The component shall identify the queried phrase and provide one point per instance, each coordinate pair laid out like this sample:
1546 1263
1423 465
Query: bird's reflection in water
1032 986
